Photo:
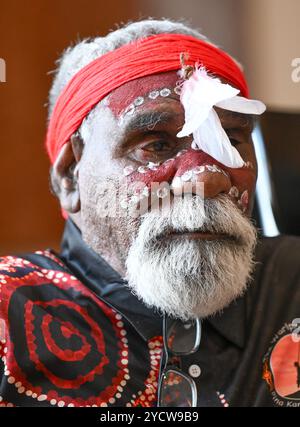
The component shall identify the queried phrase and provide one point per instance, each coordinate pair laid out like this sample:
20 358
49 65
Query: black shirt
72 334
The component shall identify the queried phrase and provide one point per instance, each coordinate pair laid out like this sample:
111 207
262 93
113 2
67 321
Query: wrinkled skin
147 135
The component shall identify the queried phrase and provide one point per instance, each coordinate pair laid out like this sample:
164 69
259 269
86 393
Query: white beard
190 279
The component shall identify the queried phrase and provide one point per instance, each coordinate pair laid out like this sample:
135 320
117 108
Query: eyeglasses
176 388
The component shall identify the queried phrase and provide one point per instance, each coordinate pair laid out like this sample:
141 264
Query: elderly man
161 295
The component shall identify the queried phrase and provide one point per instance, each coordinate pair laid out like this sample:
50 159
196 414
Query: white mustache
192 278
194 214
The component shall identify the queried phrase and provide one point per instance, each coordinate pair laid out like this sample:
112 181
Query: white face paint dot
138 101
103 404
61 403
211 168
112 400
154 94
187 176
34 395
53 402
142 169
128 170
11 380
177 90
165 92
124 361
153 166
234 192
199 169
21 390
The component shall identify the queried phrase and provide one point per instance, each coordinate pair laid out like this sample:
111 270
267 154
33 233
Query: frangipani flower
200 93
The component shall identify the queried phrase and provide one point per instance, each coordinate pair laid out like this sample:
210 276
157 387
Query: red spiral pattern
54 311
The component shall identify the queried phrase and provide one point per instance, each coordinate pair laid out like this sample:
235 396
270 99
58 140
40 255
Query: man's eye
155 150
157 146
234 136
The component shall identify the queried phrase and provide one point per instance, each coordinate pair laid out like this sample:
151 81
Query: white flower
200 93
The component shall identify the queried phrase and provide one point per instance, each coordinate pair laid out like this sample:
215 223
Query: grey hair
76 57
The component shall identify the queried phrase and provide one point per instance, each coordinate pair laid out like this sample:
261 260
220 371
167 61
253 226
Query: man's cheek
243 188
240 183
98 197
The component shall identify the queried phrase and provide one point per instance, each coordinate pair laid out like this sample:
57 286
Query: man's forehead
128 98
143 90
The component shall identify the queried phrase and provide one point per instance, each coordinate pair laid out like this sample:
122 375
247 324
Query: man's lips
197 235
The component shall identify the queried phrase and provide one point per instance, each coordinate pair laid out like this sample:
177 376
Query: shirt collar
107 284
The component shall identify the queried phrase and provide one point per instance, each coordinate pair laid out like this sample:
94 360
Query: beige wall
271 37
263 34
32 35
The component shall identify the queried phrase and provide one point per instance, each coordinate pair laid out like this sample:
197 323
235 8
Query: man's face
188 259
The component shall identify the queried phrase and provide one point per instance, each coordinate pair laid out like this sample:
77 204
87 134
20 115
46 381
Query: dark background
32 36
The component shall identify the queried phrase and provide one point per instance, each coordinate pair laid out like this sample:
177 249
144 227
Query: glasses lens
177 390
182 338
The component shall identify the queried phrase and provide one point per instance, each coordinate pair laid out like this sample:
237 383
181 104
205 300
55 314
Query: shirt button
195 371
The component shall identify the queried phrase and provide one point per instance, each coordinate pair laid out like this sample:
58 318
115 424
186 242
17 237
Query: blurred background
262 34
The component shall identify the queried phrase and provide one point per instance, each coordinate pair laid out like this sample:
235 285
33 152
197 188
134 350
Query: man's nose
200 174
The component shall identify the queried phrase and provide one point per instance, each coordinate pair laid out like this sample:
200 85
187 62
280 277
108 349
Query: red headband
152 55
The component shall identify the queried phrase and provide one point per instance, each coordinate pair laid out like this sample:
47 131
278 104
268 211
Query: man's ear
64 174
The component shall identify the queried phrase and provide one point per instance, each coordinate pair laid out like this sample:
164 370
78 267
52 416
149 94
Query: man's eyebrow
148 120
